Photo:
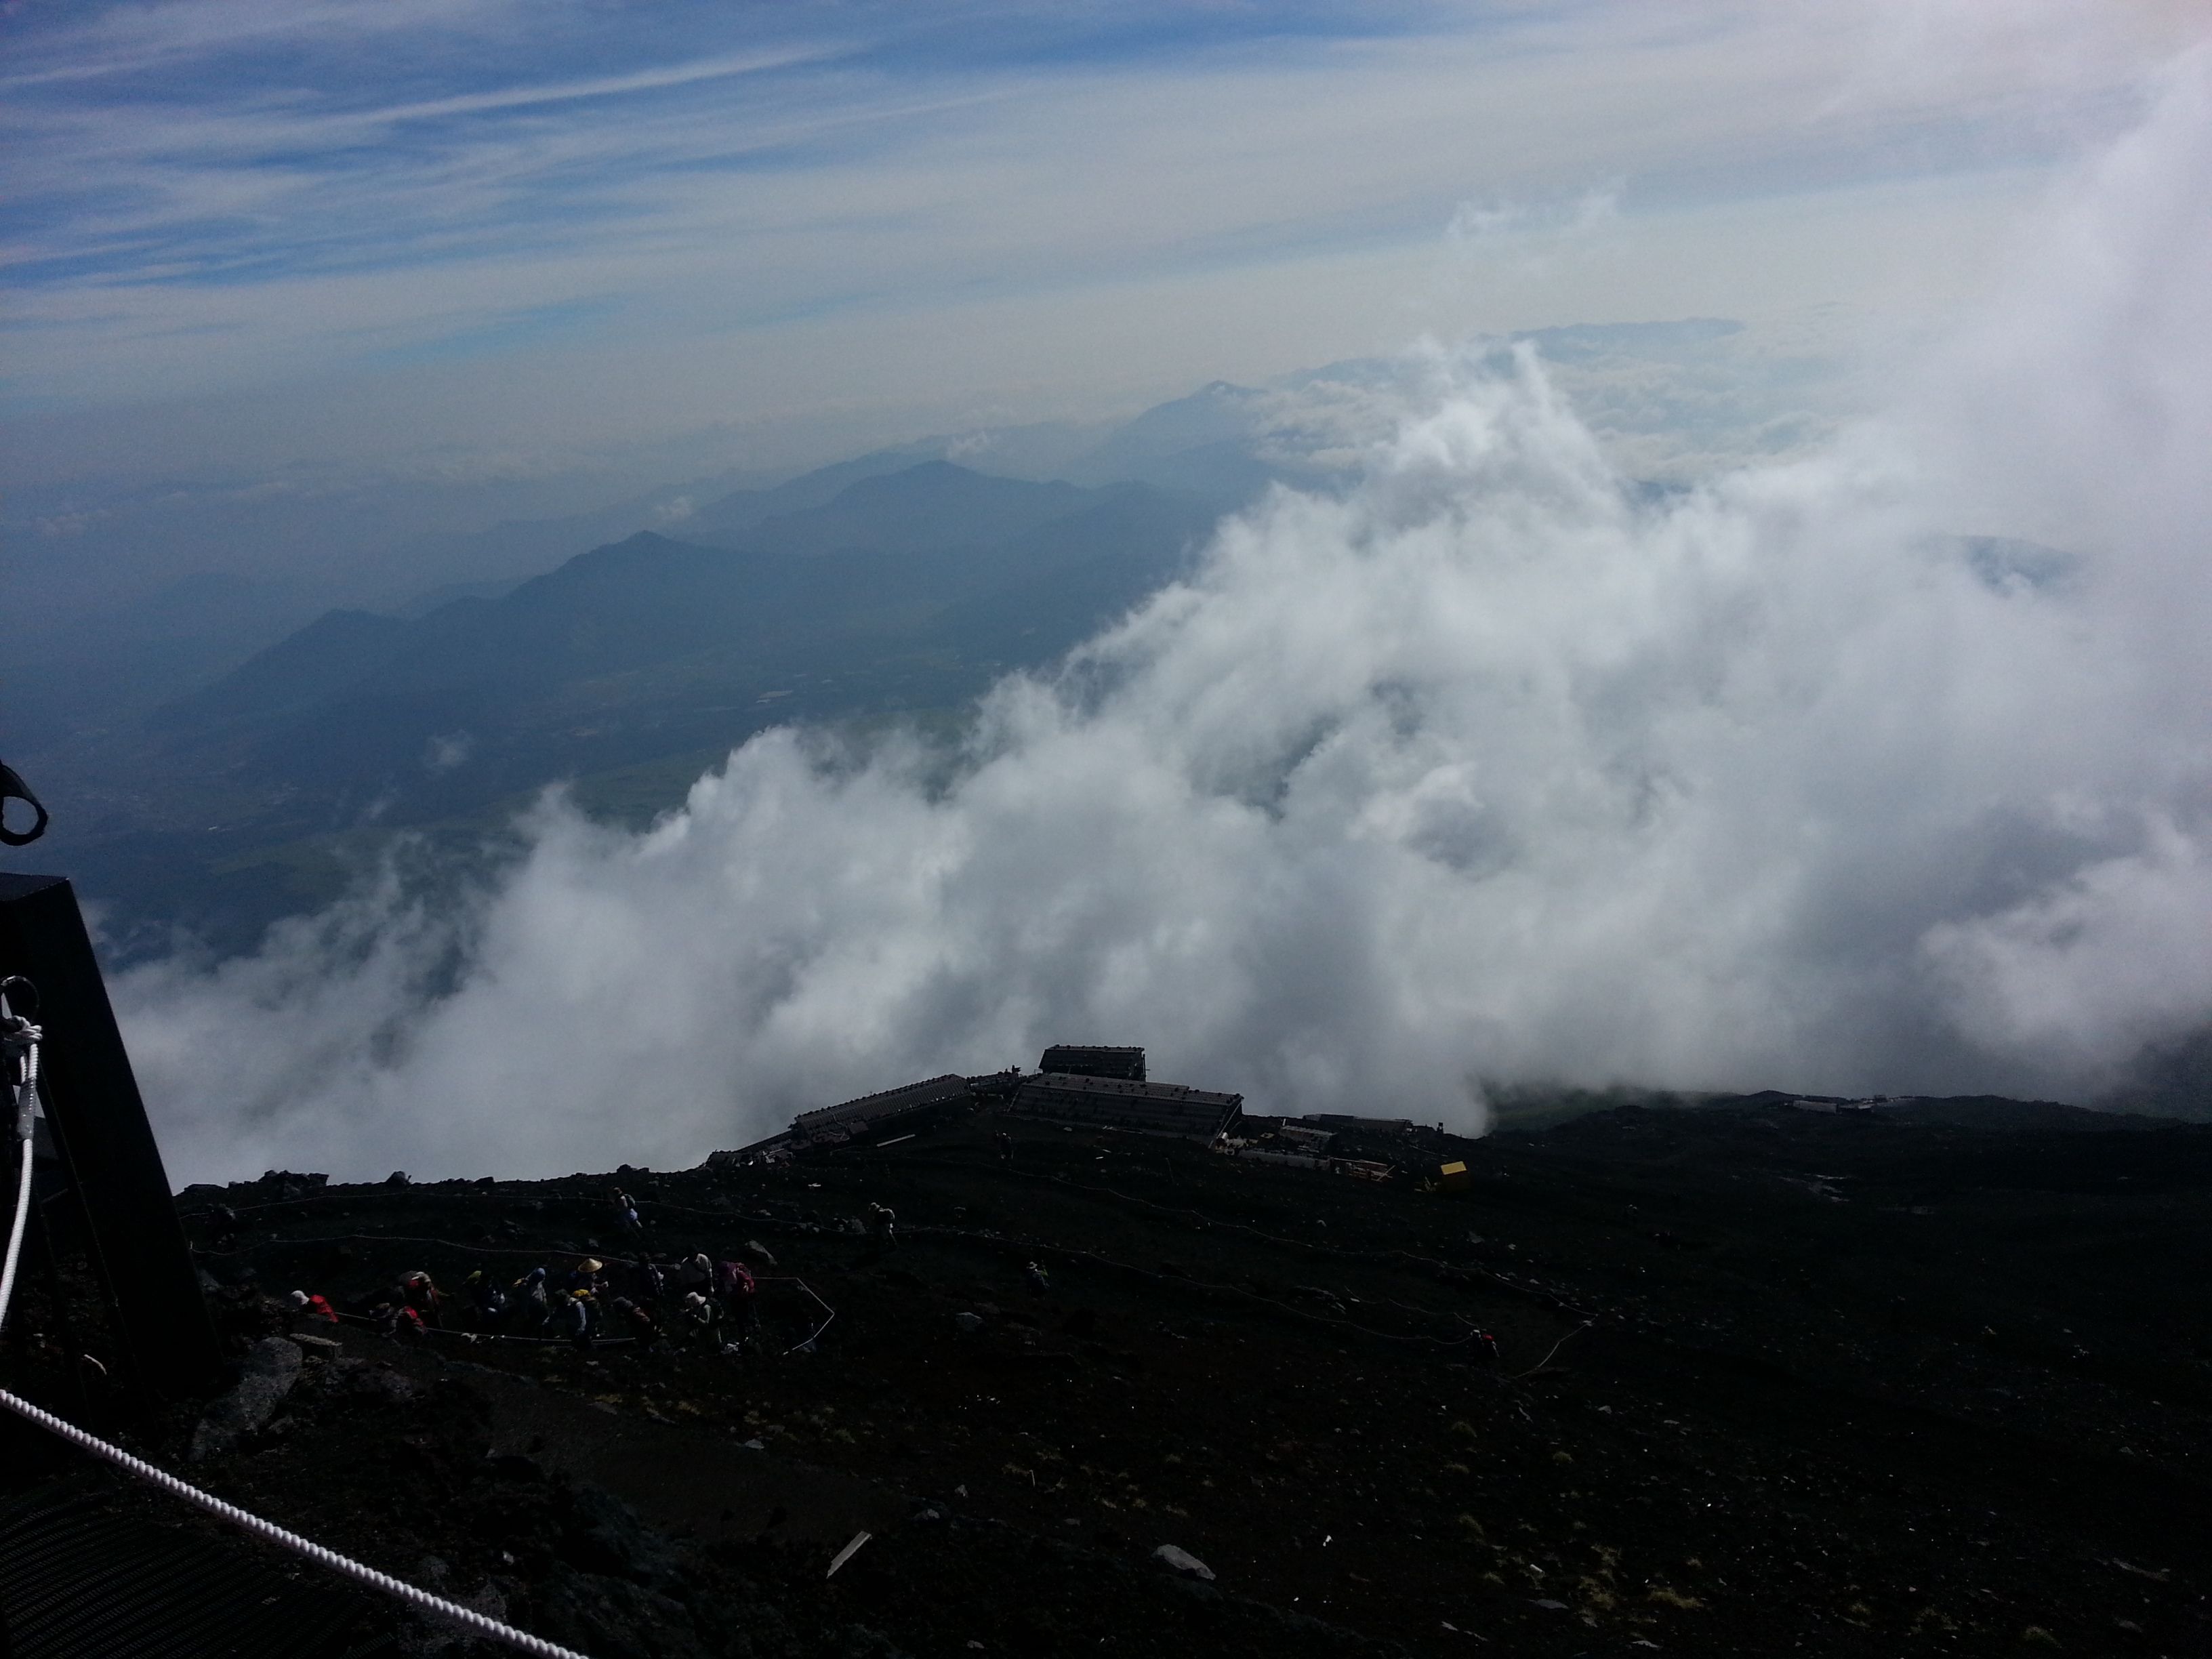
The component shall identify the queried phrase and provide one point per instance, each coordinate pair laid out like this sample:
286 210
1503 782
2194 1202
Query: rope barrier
803 1287
800 1285
1448 1271
1017 1247
1547 1359
21 1040
480 1623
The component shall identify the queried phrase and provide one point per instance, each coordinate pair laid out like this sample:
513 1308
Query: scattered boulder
270 1367
1182 1561
611 1618
604 1537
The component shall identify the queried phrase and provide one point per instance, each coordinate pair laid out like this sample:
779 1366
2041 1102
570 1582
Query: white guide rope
23 1038
19 1038
480 1623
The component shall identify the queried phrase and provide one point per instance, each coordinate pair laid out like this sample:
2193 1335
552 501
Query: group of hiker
691 1301
694 1302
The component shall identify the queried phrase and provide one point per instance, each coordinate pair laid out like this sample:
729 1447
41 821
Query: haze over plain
1819 700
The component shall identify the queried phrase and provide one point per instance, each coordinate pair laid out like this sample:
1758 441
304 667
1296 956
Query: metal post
105 1145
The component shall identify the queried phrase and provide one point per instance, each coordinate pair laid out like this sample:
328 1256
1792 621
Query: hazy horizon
250 236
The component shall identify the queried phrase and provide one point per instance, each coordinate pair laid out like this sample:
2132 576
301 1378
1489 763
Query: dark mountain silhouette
1641 1383
1167 433
739 512
330 653
902 593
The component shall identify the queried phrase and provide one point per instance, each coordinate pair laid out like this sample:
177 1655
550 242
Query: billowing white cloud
1490 769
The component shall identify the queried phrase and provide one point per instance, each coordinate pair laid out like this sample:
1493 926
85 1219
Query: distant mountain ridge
906 592
195 736
929 537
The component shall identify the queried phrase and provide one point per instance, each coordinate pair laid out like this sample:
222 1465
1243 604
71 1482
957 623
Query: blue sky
687 212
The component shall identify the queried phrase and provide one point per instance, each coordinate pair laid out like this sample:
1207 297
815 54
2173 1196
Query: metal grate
79 1581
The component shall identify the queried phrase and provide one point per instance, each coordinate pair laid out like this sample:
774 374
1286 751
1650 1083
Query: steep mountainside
1746 1380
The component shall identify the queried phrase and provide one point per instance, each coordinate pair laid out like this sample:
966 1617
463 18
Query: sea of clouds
1492 770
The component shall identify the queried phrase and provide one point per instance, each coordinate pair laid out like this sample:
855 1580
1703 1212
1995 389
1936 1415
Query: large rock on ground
270 1367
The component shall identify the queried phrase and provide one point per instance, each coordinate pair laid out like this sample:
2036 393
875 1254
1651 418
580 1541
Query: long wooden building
1157 1109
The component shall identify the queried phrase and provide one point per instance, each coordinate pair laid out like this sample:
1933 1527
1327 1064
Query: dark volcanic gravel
1767 1383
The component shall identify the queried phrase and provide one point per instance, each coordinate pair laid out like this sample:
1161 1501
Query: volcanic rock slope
1766 1381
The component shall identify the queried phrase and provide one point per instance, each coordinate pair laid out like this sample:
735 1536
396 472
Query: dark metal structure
1070 1060
110 1162
1155 1108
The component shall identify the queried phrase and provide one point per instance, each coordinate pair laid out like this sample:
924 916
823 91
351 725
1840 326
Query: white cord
291 1541
27 1037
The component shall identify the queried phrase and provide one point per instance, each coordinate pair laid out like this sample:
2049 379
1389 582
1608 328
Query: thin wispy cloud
221 167
612 86
132 39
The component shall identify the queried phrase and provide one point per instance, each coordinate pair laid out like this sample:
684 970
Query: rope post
106 1146
20 1045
